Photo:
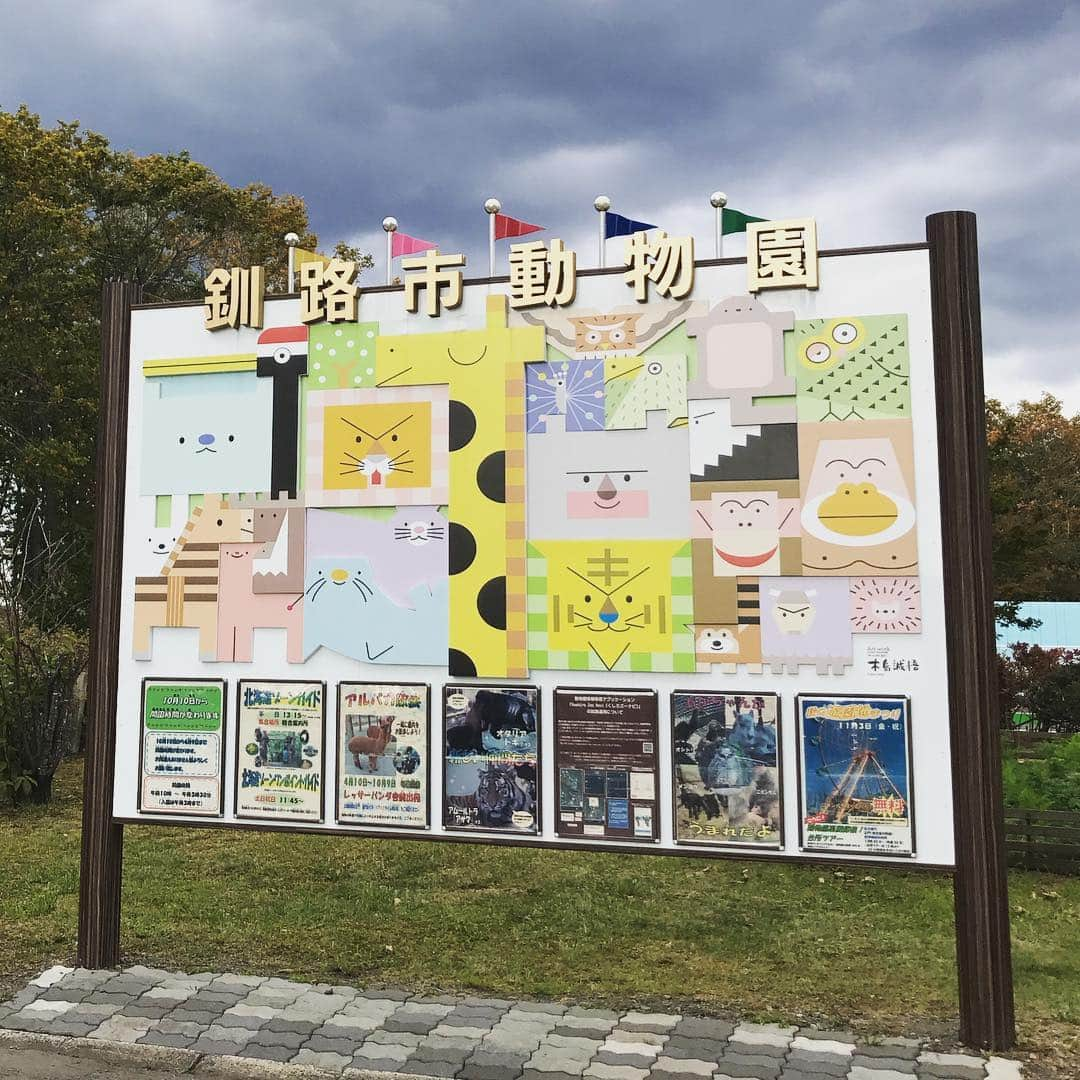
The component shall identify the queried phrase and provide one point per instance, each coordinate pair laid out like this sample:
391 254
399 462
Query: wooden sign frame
979 877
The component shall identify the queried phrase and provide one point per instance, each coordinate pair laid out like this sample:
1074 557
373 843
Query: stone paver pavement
343 1029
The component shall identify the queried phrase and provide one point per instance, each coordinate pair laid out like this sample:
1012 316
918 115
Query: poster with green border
181 759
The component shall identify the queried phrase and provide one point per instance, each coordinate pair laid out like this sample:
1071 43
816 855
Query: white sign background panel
861 284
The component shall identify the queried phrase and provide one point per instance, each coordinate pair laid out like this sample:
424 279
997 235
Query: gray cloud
868 117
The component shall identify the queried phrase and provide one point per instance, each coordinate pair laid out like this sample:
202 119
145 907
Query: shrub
40 707
1048 782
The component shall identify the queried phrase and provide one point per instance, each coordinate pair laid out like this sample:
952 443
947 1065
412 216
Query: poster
383 754
855 768
181 762
606 755
492 759
279 749
726 758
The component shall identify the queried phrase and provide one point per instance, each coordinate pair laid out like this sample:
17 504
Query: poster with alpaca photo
383 754
491 756
726 758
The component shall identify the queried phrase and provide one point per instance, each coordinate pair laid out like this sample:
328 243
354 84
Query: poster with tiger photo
726 760
491 758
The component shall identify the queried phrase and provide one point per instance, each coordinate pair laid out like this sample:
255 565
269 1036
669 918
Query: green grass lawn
871 950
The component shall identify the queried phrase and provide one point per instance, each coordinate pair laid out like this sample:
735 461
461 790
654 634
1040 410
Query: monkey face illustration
746 533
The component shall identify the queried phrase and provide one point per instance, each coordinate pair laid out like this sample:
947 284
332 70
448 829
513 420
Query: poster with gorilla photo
726 760
383 754
491 757
606 750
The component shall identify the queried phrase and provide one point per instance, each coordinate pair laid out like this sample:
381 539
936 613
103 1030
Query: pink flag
403 244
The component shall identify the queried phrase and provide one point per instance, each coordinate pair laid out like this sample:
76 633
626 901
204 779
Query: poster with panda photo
726 760
492 758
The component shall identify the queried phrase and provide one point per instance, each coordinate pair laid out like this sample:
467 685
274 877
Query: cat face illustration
417 530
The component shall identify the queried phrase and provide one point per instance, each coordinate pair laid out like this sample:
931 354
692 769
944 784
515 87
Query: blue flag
617 225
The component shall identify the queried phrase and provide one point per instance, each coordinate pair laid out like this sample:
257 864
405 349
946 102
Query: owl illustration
605 333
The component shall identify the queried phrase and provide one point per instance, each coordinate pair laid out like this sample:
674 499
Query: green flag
736 221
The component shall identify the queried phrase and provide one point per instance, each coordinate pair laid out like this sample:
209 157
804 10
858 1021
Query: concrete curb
139 1055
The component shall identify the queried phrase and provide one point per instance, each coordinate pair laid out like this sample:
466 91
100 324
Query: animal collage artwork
672 487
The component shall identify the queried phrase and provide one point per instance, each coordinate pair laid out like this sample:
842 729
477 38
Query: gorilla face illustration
857 496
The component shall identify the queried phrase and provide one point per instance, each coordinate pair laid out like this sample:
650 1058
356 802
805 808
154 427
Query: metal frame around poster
240 683
633 690
703 847
360 827
979 876
800 766
539 815
223 754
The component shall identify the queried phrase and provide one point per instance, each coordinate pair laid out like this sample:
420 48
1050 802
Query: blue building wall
1060 627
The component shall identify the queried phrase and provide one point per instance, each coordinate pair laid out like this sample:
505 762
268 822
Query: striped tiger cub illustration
186 591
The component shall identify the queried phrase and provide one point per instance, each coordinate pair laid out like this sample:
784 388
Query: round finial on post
492 206
718 200
389 224
601 203
292 239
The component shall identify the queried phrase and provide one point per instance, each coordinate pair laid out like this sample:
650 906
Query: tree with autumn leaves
1034 452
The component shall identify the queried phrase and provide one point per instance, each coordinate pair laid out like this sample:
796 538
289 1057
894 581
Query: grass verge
872 950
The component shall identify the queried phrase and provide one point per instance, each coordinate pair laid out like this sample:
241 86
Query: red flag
508 226
403 244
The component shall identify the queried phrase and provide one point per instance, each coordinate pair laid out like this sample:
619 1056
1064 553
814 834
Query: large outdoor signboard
640 559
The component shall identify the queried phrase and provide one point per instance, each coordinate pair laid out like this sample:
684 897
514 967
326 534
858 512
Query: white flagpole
389 225
291 239
602 204
491 208
718 200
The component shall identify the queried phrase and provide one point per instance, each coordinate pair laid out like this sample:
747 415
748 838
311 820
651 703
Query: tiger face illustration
612 600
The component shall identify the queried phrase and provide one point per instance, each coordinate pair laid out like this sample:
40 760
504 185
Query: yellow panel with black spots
485 371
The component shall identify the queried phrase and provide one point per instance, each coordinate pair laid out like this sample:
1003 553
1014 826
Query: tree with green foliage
75 212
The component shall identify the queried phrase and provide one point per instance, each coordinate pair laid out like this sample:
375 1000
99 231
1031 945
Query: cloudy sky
864 114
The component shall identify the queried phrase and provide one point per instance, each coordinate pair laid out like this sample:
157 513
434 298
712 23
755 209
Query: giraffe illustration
485 372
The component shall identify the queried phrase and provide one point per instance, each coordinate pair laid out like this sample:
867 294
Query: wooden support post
102 840
983 951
